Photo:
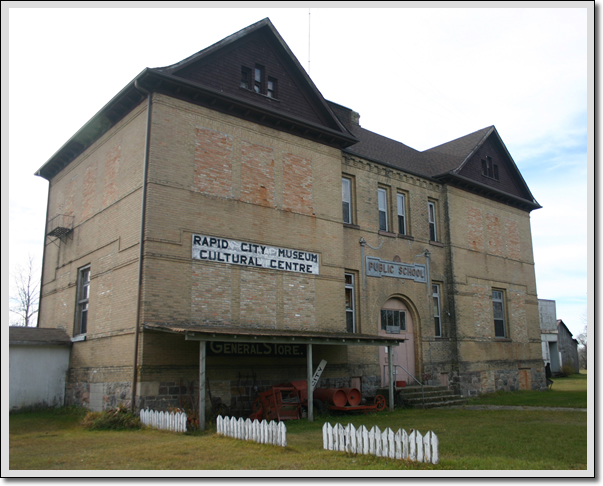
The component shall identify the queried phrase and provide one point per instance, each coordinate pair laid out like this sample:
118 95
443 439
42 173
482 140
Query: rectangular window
245 77
346 197
350 314
271 88
435 290
489 168
382 199
498 307
433 235
258 79
83 297
393 321
401 214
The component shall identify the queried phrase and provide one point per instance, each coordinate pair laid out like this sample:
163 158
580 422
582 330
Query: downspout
43 255
141 244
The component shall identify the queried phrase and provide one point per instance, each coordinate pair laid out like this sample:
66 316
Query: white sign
234 252
375 267
319 370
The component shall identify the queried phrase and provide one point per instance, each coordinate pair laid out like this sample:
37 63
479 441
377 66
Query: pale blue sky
420 76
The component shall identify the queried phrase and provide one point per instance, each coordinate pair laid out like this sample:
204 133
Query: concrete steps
434 397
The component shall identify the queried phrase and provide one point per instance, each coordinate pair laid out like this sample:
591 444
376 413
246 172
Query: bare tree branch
26 292
582 339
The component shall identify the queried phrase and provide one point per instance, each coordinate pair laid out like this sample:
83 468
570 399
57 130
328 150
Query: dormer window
256 80
271 88
245 77
489 168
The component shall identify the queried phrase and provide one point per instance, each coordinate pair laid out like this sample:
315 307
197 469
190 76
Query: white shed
38 363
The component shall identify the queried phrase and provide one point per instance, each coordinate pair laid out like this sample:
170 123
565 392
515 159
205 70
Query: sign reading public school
234 252
375 267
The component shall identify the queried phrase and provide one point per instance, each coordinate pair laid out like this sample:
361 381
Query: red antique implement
286 401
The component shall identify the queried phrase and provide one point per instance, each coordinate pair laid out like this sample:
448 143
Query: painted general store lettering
225 348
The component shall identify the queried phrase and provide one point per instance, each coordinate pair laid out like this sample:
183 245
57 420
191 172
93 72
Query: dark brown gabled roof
328 130
451 156
37 336
443 163
385 150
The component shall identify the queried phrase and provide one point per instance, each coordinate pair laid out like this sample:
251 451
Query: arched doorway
395 318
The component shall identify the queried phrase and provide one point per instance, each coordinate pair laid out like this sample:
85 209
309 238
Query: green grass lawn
469 439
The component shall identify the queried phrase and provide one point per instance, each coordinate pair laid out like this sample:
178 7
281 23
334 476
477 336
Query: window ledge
259 94
78 338
387 233
350 225
503 340
406 237
436 243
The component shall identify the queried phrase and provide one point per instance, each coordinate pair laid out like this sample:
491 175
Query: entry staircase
430 396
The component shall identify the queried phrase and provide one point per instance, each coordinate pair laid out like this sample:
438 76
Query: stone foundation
473 383
98 396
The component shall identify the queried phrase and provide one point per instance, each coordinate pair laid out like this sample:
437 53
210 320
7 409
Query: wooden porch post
310 391
390 359
202 355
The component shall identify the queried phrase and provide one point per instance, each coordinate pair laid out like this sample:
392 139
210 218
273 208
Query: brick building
220 224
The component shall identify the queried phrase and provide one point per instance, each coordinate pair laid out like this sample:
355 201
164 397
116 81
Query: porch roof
249 334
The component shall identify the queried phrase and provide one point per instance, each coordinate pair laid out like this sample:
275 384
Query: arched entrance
395 318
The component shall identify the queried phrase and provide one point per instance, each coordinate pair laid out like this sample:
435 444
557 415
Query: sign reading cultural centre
375 267
235 252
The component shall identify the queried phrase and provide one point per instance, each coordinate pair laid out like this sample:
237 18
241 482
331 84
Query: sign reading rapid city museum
223 250
375 267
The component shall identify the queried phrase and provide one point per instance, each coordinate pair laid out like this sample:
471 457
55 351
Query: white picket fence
399 445
246 429
176 422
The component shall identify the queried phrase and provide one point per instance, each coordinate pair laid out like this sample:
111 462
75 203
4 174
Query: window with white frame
346 197
435 290
83 297
382 201
401 214
433 235
350 314
498 307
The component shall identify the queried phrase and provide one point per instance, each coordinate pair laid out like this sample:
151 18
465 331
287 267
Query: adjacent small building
568 347
549 334
38 363
221 226
559 348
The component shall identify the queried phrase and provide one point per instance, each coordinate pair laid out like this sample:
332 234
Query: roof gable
491 165
219 67
480 161
306 115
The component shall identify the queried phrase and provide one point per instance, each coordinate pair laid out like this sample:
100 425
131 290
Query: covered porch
257 336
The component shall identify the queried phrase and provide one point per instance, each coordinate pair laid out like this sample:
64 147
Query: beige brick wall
102 190
216 175
504 261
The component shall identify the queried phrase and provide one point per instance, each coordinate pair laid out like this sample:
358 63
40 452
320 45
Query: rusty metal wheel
257 410
380 403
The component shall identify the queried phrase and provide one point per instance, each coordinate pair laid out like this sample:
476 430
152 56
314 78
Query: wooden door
395 319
